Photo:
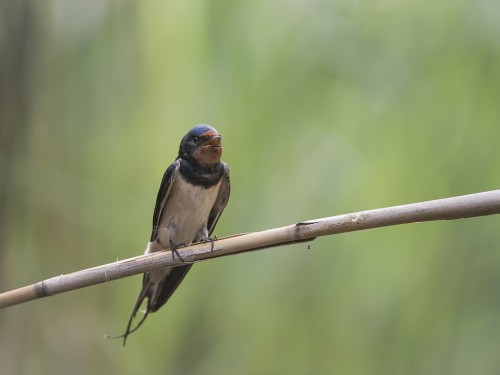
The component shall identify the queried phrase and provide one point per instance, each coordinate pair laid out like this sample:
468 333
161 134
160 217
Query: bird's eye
195 139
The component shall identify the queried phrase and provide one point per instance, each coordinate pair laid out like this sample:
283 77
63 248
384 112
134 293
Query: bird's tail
145 292
157 286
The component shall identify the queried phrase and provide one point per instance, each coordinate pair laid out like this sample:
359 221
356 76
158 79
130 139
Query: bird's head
202 144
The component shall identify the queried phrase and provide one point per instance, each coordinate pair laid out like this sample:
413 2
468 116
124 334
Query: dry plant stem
479 204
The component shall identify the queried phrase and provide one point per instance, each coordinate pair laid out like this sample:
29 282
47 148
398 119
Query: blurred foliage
325 107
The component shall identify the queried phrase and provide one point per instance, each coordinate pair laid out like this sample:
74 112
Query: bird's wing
220 202
163 192
175 275
166 287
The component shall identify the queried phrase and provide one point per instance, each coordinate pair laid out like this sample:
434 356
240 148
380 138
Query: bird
193 193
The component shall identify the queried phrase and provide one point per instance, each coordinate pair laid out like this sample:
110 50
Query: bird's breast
185 214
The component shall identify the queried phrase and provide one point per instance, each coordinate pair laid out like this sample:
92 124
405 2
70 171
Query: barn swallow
192 195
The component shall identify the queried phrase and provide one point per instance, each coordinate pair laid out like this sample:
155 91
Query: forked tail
140 300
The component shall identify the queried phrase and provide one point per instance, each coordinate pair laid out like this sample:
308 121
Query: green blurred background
325 107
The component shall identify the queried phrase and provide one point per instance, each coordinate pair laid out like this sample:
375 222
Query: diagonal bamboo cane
479 204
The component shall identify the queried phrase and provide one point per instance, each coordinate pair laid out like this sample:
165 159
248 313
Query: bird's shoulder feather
222 199
166 185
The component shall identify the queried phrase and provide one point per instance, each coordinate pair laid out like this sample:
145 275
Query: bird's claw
174 253
212 240
173 248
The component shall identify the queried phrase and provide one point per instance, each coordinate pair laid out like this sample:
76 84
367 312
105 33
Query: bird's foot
173 248
212 240
174 253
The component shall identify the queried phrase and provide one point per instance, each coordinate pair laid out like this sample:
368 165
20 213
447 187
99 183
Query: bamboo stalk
479 204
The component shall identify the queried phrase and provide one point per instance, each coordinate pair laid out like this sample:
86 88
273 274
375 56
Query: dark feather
201 175
221 201
168 286
165 187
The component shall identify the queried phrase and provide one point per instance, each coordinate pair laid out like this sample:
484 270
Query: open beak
214 142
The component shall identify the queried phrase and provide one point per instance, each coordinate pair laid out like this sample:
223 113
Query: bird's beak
214 142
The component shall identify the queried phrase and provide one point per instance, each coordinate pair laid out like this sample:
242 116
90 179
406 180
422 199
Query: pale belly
185 215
